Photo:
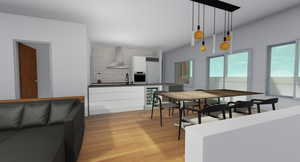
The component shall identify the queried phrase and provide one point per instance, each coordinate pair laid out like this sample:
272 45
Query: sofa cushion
59 110
37 144
35 114
10 115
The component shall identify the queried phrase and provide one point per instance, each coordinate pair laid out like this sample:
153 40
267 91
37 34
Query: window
216 72
184 72
237 72
297 80
282 69
229 71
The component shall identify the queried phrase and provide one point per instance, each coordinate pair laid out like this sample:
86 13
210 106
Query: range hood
118 61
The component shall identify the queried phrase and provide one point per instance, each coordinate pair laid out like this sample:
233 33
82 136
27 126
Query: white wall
266 137
103 55
69 55
279 28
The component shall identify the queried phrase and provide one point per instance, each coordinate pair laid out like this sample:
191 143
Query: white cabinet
139 64
153 72
105 100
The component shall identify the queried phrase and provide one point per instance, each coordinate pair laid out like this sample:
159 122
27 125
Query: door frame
16 65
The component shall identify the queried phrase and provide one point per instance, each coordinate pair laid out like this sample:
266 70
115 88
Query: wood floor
131 137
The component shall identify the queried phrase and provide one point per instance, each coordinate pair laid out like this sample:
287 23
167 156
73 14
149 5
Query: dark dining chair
210 101
200 112
236 106
162 103
259 102
192 104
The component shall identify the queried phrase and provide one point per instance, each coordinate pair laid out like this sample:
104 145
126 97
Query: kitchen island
107 98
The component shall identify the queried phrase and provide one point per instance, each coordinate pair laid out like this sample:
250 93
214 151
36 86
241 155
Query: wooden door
28 71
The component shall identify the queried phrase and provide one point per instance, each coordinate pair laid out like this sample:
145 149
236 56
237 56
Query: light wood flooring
131 137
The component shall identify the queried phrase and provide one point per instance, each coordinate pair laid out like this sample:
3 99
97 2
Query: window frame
225 55
296 66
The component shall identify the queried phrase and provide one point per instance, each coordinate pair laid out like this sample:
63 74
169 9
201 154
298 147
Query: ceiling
164 24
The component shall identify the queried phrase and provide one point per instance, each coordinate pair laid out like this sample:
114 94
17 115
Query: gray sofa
41 131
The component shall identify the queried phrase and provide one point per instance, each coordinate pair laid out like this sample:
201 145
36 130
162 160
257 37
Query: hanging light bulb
228 37
203 48
225 45
193 25
198 34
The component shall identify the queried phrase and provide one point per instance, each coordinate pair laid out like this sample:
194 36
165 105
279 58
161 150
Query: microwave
139 77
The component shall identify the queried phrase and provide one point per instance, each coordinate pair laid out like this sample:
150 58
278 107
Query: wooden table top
205 94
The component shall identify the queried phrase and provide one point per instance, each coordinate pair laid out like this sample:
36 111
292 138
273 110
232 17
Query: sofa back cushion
10 115
35 114
60 110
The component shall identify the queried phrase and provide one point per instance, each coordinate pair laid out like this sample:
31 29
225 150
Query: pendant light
229 37
198 34
214 34
193 25
225 45
203 46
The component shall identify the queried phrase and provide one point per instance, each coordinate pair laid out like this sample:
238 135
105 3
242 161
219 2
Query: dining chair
200 112
259 102
192 104
236 106
210 101
162 103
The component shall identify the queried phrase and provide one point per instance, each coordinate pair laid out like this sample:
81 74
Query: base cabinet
105 100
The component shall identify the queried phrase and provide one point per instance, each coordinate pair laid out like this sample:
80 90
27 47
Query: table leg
180 119
180 123
88 101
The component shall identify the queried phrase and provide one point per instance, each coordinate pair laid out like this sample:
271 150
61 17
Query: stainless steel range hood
118 61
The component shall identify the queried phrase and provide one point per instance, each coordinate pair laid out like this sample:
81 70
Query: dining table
206 94
197 95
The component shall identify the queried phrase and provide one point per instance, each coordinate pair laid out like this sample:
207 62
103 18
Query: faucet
127 78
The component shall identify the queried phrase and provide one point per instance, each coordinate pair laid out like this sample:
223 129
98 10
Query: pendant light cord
203 21
225 24
198 14
228 24
231 22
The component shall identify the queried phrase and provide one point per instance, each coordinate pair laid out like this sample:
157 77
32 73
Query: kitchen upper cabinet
139 64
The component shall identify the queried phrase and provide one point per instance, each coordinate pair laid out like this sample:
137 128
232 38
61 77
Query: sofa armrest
74 131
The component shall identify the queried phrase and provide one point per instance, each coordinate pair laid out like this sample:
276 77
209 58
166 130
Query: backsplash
103 55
